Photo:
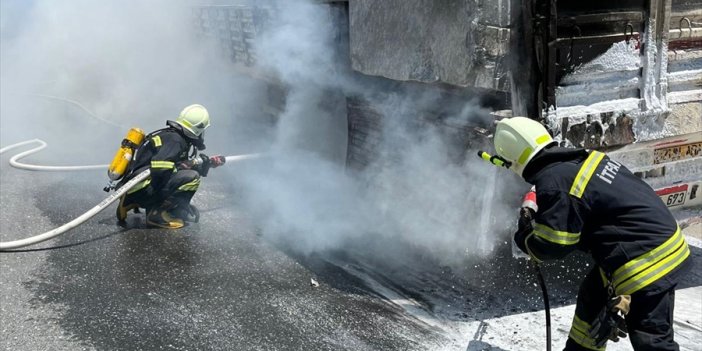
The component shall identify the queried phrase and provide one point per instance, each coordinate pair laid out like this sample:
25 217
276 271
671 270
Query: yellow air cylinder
124 155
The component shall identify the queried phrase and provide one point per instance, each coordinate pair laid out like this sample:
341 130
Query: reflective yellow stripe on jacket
647 268
556 236
162 164
580 333
585 173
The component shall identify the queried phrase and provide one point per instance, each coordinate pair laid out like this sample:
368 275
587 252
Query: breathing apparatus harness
122 166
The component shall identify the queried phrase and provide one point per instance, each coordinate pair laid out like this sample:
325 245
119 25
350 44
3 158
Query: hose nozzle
494 159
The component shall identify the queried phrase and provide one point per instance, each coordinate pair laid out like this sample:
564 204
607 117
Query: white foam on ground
527 331
696 243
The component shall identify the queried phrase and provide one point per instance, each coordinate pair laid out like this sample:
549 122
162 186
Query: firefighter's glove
196 163
524 228
189 164
610 323
202 163
526 215
216 161
203 166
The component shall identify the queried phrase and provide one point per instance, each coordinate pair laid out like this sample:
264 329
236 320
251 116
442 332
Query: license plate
675 153
673 196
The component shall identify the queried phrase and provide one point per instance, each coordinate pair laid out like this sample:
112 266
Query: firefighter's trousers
177 192
649 322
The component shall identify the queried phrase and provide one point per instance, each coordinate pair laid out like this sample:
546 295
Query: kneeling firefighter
172 155
589 202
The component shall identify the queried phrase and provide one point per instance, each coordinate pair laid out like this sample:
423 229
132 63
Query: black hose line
542 283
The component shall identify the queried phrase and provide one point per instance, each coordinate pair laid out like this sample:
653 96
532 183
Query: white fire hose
14 161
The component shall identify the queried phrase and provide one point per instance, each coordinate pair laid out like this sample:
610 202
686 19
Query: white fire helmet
194 119
519 139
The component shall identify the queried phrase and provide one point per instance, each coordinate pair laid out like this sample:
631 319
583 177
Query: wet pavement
216 285
221 285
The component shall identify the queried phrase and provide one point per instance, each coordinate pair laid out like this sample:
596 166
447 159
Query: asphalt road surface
221 285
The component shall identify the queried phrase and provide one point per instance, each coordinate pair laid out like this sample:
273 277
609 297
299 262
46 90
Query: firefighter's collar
549 156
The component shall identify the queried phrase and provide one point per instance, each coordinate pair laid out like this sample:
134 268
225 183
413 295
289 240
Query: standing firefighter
172 156
589 202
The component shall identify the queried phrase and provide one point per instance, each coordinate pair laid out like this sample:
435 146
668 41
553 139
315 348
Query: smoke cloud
133 63
423 188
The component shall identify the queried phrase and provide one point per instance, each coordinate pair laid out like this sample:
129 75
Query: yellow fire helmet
519 139
194 119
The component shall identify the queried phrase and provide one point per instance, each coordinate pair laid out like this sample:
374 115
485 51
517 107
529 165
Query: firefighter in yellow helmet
588 202
173 156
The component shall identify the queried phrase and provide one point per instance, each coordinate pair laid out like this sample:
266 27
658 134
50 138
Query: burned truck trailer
599 74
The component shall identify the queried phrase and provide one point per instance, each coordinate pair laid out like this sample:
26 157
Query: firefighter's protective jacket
592 203
161 151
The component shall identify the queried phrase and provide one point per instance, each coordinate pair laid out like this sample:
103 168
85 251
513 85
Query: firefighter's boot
187 213
125 205
161 218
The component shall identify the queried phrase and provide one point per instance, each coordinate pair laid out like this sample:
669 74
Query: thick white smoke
134 63
414 192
